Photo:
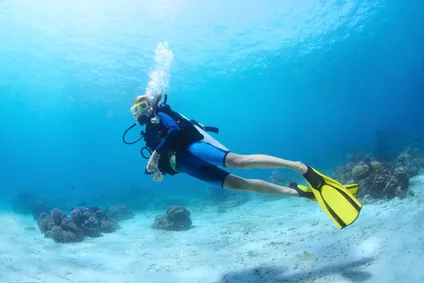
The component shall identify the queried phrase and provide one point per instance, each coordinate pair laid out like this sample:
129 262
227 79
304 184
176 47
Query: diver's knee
238 161
235 183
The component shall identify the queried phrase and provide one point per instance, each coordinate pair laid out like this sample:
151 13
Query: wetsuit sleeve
172 131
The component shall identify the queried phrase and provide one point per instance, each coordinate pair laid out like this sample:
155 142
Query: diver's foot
303 168
315 180
302 191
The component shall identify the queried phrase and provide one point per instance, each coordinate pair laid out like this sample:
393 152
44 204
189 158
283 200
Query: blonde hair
142 98
152 100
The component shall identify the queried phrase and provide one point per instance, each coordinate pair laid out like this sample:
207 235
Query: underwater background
304 80
312 81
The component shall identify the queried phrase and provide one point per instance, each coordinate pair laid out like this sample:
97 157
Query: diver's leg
218 177
200 169
233 160
258 186
222 157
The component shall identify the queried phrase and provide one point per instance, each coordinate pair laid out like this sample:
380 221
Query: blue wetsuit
199 159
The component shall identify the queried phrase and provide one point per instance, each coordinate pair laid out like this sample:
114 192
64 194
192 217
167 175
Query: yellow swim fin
334 198
306 192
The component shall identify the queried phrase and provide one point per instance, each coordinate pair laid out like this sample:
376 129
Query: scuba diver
179 145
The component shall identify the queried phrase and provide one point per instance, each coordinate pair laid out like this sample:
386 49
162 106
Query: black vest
178 142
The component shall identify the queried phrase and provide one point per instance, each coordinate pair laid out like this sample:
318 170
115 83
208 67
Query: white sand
289 240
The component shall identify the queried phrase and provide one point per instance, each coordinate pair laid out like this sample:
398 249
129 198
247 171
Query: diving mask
139 109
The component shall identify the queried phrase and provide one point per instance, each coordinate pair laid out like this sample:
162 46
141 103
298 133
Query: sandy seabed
287 240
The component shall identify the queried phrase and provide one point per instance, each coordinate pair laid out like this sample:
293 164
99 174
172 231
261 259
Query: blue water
303 80
308 80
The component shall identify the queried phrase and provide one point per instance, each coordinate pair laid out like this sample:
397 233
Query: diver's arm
173 130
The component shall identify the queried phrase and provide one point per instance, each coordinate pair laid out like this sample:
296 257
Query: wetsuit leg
198 168
209 153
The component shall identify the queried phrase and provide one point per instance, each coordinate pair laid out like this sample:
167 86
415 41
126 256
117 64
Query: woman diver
178 144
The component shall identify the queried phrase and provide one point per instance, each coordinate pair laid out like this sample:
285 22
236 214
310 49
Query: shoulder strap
165 108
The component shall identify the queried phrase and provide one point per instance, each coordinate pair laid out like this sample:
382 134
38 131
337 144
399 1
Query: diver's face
140 108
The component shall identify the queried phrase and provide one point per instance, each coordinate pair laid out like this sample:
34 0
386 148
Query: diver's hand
152 164
158 176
